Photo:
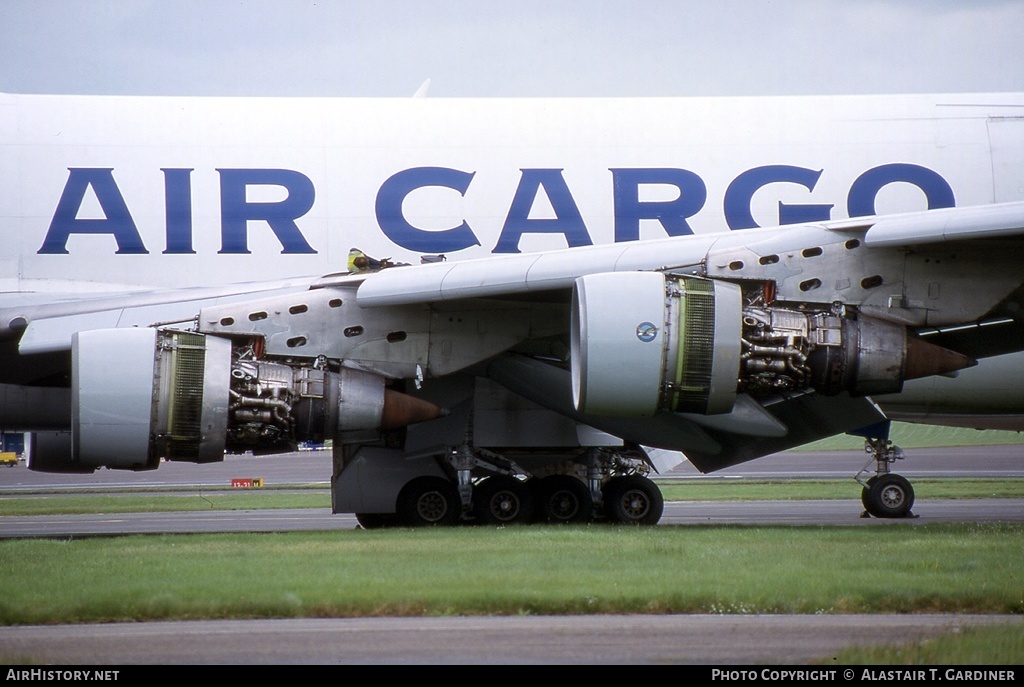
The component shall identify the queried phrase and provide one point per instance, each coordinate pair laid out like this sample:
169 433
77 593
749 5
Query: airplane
569 283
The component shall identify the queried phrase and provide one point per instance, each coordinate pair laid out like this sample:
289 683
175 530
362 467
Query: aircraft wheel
502 500
375 521
888 496
562 499
633 500
428 501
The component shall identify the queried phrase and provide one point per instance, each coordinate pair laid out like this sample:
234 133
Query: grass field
972 645
910 435
534 570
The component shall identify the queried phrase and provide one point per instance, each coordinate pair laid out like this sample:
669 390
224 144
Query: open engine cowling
139 395
643 342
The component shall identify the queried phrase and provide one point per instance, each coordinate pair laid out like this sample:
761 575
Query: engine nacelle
140 394
644 342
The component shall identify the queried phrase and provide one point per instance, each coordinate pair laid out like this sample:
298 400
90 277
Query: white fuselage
114 192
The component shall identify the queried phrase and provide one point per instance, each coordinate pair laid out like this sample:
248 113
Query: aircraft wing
531 273
48 325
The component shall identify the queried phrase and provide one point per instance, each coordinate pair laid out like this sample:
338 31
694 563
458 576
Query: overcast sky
513 48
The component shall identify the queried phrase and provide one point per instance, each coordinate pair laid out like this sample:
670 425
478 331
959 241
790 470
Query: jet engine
646 342
139 395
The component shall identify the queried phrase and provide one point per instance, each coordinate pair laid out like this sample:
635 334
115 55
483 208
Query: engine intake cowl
644 342
142 394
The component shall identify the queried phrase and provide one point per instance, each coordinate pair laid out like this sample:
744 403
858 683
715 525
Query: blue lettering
567 220
629 210
236 211
392 222
861 201
672 214
742 189
178 203
117 220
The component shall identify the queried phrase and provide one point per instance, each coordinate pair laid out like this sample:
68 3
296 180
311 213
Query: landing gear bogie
469 485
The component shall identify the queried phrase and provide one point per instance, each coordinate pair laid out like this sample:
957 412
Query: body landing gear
886 494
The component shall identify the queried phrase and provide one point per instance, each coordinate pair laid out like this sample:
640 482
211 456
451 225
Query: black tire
563 500
633 500
502 500
429 501
889 496
375 521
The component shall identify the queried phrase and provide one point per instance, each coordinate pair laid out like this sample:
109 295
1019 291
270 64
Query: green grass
526 570
56 503
1000 645
910 435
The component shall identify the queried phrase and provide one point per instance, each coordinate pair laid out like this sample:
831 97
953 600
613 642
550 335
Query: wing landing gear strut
885 494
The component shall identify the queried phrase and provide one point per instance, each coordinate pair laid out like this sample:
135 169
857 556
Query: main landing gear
564 499
886 494
482 487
